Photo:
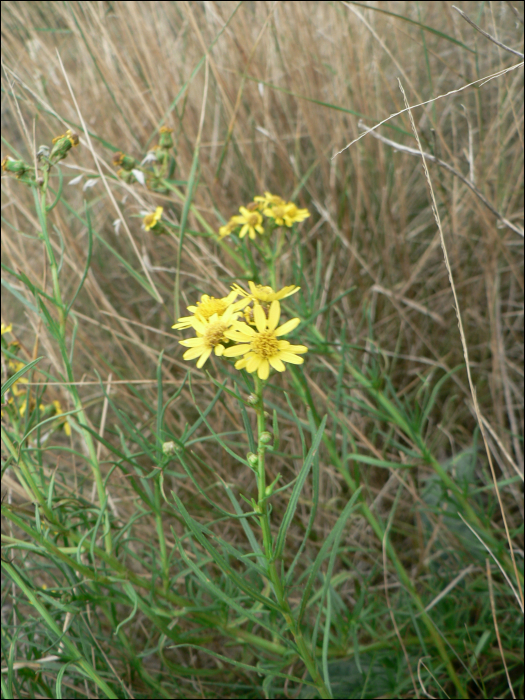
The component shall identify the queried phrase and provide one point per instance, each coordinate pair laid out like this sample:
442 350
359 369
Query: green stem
57 295
160 533
273 573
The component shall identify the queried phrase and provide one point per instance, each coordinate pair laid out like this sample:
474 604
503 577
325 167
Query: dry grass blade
433 159
464 344
486 34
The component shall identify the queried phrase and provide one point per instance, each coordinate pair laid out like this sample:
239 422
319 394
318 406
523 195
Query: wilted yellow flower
210 336
63 144
269 199
150 221
262 348
17 167
209 306
286 214
127 162
251 222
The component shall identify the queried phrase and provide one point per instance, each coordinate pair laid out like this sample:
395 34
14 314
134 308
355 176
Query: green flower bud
253 460
265 438
253 400
165 139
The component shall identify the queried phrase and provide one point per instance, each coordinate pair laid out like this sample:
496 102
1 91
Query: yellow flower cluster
272 206
258 341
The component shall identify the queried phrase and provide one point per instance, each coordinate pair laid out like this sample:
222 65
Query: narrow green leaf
220 561
259 669
292 504
333 537
16 376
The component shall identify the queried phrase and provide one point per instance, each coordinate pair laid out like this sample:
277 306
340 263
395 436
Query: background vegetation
289 84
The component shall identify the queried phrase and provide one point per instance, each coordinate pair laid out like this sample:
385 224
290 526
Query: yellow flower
210 336
262 348
268 200
262 293
151 220
286 214
208 307
7 328
64 421
251 221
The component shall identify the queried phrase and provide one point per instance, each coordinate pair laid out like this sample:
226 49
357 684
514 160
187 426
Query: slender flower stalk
273 572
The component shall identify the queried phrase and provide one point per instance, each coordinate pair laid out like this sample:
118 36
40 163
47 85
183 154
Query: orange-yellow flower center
211 306
252 219
214 334
265 344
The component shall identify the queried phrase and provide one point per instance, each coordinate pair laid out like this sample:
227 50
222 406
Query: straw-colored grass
261 96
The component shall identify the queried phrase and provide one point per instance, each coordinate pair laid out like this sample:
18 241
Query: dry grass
288 84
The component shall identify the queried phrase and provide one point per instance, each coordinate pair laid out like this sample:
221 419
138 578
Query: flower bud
165 139
253 400
253 460
265 438
169 448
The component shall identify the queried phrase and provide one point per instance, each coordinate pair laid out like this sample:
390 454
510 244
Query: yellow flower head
227 228
262 293
251 222
152 220
7 328
286 214
269 200
210 306
211 336
262 348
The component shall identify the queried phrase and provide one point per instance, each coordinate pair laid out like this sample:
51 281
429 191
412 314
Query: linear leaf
220 561
292 504
334 535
